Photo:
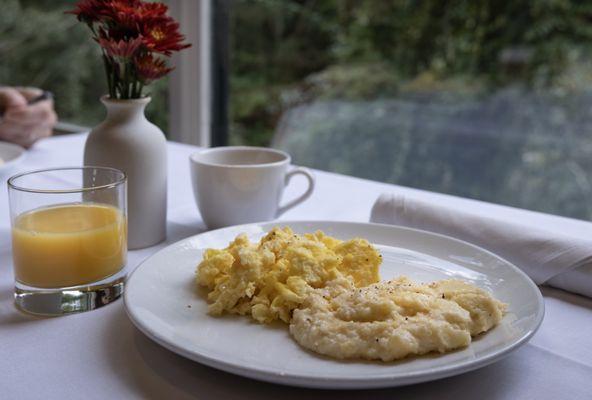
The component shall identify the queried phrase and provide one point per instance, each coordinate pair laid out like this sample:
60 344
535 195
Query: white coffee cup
238 184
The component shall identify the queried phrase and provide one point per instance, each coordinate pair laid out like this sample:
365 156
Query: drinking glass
69 238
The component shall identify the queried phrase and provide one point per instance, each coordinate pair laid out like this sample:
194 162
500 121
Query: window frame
197 86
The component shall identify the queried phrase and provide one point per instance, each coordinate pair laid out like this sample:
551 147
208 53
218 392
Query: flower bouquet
135 37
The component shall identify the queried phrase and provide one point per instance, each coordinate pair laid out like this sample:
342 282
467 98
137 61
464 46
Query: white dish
10 154
162 301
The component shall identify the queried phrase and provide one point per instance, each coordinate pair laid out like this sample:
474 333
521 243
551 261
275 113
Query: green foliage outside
484 99
359 49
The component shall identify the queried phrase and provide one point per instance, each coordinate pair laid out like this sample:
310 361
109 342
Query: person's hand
21 123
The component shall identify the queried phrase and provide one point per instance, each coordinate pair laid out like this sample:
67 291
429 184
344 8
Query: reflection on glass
487 100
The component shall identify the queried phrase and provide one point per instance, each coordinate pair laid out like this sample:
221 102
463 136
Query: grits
394 319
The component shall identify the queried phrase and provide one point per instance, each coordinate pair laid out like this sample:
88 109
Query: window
485 99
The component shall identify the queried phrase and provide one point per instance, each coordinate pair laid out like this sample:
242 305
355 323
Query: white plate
162 301
10 154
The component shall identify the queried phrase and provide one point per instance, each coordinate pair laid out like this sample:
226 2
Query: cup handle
311 184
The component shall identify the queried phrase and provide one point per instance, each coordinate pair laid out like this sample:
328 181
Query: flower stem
124 87
110 77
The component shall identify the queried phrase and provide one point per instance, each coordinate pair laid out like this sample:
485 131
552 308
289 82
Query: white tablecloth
100 355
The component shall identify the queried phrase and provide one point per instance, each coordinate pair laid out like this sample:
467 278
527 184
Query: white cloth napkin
549 258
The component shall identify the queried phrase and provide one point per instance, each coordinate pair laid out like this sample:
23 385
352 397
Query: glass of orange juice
69 238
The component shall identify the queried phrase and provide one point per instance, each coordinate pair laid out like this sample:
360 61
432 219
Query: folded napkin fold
546 257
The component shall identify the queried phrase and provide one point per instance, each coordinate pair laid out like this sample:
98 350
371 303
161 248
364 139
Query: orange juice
68 245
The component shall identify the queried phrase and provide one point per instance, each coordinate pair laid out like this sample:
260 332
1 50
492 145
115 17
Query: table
100 354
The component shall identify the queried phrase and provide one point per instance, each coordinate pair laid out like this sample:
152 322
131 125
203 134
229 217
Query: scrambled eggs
269 279
394 319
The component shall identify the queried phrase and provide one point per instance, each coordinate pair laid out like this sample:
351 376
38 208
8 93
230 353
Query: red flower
152 10
91 11
123 48
149 68
131 15
123 19
161 35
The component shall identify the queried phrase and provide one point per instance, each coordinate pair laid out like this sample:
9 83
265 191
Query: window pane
486 99
43 47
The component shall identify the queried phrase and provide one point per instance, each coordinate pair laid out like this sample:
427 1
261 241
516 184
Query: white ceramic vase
126 140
